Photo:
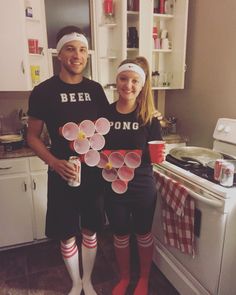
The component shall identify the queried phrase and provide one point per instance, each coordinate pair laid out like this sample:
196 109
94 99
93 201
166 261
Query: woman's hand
158 115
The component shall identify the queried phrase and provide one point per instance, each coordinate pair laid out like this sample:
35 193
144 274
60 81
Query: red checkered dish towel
177 214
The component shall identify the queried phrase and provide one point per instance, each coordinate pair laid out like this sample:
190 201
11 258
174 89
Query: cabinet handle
25 186
5 168
22 67
34 185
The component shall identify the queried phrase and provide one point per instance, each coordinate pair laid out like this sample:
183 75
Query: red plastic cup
109 174
92 158
102 126
69 131
157 151
133 159
119 186
103 160
108 7
97 141
116 159
87 127
81 146
126 173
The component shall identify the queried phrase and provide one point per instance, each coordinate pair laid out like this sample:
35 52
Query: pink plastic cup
109 174
97 141
157 151
133 159
87 127
102 126
116 159
126 173
81 146
92 158
69 131
103 160
119 186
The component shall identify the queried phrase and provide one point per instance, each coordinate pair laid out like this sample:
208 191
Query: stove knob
227 129
220 127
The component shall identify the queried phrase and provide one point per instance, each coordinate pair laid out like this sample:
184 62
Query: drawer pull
25 186
34 185
5 168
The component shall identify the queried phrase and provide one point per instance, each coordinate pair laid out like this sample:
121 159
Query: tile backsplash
10 104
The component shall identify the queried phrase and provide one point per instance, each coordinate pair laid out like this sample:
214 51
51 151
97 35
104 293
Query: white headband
134 68
71 37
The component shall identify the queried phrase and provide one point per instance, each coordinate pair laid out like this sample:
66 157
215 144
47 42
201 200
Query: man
69 97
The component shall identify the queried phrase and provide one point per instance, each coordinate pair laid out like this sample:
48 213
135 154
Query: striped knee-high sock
89 250
70 256
122 252
145 250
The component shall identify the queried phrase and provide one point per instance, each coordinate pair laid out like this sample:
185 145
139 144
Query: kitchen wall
10 104
210 89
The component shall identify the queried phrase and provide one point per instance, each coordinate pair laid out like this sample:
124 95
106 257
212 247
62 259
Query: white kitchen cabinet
113 42
21 70
15 203
23 195
38 175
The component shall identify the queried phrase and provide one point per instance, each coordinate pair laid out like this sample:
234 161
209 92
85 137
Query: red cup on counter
157 151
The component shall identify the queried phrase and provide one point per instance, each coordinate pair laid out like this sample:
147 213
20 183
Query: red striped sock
145 249
122 252
69 253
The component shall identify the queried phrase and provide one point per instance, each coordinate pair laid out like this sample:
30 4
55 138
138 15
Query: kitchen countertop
27 152
22 152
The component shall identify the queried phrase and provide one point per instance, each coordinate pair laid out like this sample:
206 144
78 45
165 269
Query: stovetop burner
195 168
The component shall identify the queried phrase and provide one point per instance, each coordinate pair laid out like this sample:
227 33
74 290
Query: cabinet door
20 69
39 189
15 210
13 57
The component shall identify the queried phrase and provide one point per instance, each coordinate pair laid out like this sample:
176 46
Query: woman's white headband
134 68
71 37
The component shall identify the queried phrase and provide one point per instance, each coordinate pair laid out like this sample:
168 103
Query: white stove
211 271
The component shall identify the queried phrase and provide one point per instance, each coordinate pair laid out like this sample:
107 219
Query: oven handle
196 196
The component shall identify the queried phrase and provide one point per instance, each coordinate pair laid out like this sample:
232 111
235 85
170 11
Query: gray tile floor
39 270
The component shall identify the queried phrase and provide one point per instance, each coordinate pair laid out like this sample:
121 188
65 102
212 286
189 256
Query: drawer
37 164
10 166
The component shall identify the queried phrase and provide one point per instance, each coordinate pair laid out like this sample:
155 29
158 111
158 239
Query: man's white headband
134 68
71 37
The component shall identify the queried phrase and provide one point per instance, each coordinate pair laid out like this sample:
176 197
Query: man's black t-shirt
56 103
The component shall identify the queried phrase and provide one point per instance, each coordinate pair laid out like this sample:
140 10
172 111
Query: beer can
77 164
227 174
217 169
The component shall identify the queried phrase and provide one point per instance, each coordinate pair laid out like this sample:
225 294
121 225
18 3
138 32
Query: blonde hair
145 103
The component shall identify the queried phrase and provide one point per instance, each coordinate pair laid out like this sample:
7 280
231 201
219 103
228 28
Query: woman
134 108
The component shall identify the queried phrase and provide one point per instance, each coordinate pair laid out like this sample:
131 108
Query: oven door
199 274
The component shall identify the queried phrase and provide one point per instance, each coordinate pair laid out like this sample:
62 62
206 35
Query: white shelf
131 12
109 57
160 88
32 19
107 25
161 50
163 16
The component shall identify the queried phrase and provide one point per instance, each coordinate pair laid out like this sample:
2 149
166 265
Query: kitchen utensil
197 154
11 142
